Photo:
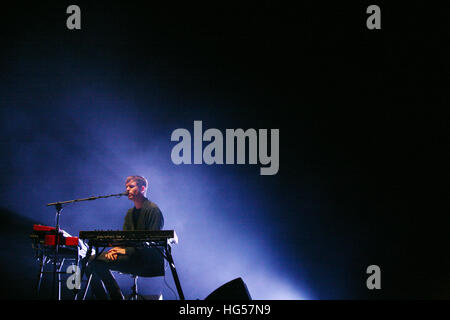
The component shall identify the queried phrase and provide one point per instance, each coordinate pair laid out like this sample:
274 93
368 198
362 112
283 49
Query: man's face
133 190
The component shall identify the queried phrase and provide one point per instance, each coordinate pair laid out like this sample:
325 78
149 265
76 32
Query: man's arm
114 252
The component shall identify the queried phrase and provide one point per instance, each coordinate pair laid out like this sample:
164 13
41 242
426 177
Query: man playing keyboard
139 260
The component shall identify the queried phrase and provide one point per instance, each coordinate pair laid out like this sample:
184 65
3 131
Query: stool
135 295
134 289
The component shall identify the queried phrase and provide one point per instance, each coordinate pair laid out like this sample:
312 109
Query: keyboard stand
48 255
167 254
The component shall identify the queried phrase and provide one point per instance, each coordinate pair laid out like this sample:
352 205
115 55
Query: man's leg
100 268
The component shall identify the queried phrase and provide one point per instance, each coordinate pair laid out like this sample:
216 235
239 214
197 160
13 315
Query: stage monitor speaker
233 290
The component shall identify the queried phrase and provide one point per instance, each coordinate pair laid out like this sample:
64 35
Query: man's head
136 187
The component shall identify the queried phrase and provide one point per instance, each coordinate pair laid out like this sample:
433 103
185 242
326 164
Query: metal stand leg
87 287
174 273
134 291
43 260
59 278
84 263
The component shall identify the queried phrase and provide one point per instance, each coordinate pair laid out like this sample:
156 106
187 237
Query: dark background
362 117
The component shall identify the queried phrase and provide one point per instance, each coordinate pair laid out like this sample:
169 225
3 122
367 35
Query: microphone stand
86 199
58 207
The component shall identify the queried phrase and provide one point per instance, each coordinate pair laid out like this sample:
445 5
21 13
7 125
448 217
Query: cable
154 245
173 291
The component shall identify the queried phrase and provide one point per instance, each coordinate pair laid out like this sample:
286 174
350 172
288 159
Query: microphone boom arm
86 199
